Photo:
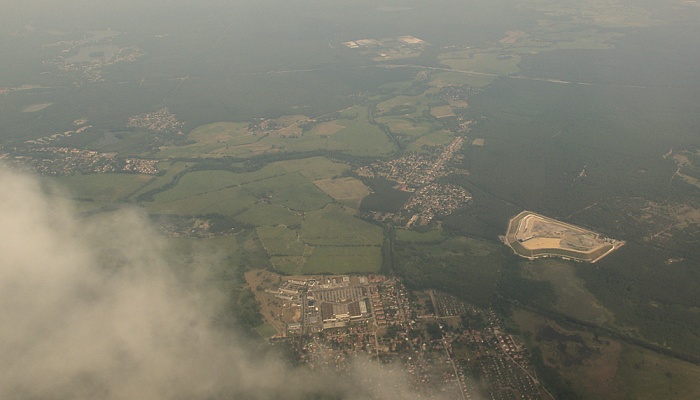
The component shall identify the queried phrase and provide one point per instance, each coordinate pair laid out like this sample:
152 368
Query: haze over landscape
363 199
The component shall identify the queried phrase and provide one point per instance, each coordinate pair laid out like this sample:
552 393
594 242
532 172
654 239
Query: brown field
478 142
542 243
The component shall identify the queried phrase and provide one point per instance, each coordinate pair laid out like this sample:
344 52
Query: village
67 161
419 173
45 155
445 346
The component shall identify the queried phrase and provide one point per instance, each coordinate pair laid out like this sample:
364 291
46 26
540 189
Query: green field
404 106
343 260
103 188
280 241
290 265
230 193
406 125
333 226
438 138
261 214
361 138
432 236
227 133
227 201
314 168
171 169
347 191
464 78
266 330
572 297
330 240
468 268
645 375
486 63
291 190
353 134
600 367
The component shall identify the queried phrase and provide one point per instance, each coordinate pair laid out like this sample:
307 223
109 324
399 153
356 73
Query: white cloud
89 309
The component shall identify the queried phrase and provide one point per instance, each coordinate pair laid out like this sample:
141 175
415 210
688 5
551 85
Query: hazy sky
89 309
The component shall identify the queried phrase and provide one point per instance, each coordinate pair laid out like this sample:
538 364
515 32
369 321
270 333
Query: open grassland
437 138
333 226
231 193
343 259
199 182
171 169
36 107
280 241
349 191
229 133
646 375
432 236
360 137
330 240
262 214
406 125
218 256
572 297
266 330
469 246
290 190
441 79
442 112
412 119
466 267
351 133
314 168
331 260
102 188
486 63
227 201
327 128
556 37
591 13
571 358
290 265
600 367
406 106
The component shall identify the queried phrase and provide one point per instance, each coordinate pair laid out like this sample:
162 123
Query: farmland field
226 201
314 168
343 260
572 297
280 241
333 226
262 214
290 190
103 187
349 191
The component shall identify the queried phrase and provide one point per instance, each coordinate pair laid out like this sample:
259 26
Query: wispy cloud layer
90 309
